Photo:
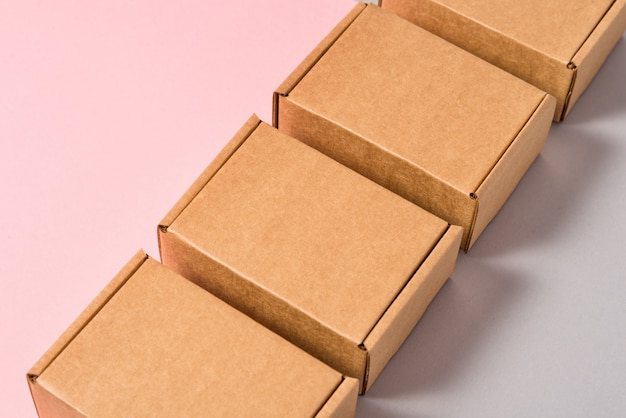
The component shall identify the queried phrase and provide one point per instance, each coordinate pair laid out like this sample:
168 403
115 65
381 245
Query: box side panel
48 405
545 72
342 404
512 166
290 82
79 323
370 160
597 48
401 317
244 132
262 305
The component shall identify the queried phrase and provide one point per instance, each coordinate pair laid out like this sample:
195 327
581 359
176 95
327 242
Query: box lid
418 97
308 230
558 28
161 346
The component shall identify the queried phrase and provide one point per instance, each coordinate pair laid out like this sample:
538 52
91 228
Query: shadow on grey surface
454 327
570 163
604 97
547 200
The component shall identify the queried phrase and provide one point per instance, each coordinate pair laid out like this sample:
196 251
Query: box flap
454 116
510 169
160 334
400 319
557 28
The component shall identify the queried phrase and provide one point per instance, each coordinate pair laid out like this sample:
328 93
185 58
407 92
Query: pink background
109 110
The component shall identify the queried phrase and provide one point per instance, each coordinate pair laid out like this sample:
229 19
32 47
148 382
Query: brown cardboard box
416 114
154 344
557 45
330 260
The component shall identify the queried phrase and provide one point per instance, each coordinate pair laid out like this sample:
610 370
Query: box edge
83 320
537 126
595 50
342 402
409 306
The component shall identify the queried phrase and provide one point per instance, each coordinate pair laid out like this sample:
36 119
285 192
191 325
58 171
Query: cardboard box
557 45
416 114
330 260
154 344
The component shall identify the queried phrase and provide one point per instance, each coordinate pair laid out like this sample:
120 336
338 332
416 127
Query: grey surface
532 322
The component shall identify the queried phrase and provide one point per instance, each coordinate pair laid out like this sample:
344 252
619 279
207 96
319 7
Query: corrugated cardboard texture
160 346
542 42
408 110
299 242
